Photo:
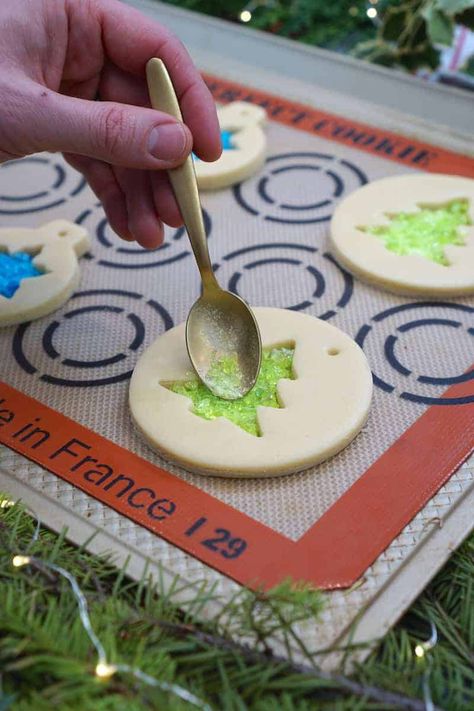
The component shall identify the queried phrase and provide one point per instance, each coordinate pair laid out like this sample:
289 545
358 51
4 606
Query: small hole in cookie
333 351
63 233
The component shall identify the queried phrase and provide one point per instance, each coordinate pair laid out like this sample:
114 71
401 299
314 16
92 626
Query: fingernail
168 141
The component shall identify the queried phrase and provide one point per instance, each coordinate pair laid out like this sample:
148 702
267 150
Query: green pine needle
47 661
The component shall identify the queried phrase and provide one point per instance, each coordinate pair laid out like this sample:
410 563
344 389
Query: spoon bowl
222 335
223 343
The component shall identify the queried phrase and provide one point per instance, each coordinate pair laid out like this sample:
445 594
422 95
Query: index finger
130 39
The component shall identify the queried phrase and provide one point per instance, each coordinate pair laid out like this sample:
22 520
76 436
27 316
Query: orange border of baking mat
377 141
339 547
333 553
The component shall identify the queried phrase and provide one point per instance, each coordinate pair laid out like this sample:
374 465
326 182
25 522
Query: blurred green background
408 34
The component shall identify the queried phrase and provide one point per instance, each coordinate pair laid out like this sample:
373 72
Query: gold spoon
222 335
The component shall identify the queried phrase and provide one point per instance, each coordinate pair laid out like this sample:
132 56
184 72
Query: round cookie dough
321 411
244 121
54 248
374 205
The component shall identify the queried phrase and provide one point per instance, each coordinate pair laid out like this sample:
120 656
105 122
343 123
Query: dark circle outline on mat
390 355
53 326
24 363
315 273
139 251
61 177
267 198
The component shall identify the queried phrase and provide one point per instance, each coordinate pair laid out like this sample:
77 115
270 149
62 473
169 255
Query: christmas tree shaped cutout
426 232
276 365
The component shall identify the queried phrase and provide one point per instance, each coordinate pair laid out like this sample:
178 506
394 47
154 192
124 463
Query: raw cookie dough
322 408
54 269
247 152
379 214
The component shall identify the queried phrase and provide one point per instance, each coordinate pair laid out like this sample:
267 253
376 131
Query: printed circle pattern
59 180
299 188
121 319
301 275
111 251
419 360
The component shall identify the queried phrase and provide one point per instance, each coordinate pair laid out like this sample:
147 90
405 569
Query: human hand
56 57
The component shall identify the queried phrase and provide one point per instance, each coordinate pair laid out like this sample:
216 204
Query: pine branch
227 660
253 657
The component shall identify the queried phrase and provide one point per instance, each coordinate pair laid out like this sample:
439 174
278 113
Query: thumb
120 134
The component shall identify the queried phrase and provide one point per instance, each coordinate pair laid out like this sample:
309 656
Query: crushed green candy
426 232
276 365
225 376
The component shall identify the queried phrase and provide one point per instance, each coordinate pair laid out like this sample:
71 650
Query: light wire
104 669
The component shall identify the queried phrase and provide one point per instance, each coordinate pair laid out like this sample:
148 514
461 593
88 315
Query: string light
104 670
245 16
423 647
372 13
420 651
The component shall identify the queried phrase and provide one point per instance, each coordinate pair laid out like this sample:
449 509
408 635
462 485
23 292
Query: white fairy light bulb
19 560
419 651
372 13
422 647
245 16
104 670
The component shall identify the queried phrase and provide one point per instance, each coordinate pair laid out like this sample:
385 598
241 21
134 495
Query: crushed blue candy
14 268
227 143
226 140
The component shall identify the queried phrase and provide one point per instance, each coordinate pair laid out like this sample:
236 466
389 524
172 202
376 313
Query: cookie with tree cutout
410 234
311 399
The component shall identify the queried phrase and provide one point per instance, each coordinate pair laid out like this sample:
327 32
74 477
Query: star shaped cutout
14 268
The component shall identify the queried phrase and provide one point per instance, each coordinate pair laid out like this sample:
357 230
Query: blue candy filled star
14 268
227 143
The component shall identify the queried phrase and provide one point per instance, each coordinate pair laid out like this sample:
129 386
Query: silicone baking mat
359 517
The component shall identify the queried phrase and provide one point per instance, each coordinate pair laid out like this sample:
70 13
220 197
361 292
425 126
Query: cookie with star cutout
243 143
39 269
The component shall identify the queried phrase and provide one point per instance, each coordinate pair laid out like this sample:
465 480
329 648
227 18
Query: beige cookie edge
395 286
232 175
35 312
192 468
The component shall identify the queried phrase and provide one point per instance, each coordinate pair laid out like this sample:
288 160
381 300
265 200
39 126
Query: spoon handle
183 178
